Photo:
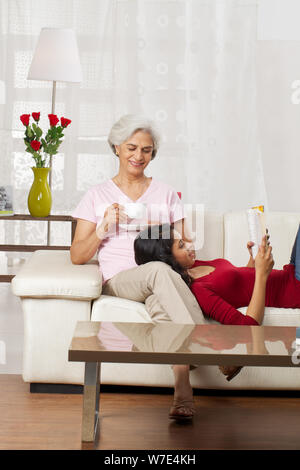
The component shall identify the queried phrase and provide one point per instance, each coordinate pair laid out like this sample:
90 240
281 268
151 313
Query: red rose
65 122
36 116
35 144
53 119
25 119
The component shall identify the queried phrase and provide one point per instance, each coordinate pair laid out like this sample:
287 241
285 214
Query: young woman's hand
113 216
251 263
264 261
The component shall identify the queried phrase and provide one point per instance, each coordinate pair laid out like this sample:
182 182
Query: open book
257 226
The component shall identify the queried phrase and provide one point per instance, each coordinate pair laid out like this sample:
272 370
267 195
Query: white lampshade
56 57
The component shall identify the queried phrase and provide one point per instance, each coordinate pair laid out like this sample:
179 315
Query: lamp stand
50 163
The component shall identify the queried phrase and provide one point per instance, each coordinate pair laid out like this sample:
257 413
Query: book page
257 228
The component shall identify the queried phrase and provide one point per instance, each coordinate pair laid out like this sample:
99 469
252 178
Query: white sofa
56 294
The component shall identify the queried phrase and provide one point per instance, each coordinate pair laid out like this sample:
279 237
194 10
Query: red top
229 287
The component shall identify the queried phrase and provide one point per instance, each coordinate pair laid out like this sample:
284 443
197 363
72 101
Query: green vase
39 197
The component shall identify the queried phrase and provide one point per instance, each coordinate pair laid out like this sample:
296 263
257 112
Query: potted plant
41 149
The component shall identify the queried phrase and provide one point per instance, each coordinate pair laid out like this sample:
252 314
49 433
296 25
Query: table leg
91 396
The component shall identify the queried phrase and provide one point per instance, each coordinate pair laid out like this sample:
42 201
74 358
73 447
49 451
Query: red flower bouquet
41 149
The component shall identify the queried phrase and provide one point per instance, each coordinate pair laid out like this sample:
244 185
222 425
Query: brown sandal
182 410
230 371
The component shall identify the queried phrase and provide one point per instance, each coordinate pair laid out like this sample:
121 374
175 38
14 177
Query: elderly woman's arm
88 237
85 243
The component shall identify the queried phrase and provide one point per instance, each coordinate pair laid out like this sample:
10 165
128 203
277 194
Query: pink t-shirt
116 252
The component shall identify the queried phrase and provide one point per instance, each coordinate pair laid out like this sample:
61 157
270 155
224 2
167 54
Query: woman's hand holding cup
113 216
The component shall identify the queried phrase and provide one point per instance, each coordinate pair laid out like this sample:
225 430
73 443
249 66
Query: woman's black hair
155 244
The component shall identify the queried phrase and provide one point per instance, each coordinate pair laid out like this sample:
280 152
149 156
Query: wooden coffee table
170 343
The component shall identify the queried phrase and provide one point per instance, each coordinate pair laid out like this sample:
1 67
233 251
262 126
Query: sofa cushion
50 273
279 316
108 308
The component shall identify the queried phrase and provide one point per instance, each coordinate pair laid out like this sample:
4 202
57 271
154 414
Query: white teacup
135 210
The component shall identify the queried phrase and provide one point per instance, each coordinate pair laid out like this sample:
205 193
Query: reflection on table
171 337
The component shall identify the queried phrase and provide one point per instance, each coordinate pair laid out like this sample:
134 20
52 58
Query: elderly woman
102 226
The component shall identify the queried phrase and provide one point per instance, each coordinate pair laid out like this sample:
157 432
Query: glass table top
156 342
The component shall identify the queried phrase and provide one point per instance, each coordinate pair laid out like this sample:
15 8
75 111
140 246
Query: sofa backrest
207 227
282 228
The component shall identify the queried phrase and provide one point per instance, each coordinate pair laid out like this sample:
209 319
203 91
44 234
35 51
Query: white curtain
188 64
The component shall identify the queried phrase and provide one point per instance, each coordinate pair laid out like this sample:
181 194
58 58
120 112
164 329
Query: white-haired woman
100 228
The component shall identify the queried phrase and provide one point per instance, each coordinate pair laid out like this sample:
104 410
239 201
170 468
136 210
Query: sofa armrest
51 274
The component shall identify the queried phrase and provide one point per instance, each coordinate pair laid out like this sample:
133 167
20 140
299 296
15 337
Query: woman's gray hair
127 126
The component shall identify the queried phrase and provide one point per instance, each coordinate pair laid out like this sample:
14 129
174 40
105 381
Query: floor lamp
56 58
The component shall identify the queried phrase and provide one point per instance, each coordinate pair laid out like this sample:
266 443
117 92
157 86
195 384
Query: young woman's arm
263 266
213 306
218 309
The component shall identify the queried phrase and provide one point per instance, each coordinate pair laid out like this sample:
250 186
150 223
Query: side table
30 248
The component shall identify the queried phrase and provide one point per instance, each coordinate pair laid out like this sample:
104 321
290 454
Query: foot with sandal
230 371
183 408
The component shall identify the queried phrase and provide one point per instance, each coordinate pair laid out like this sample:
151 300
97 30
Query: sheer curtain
188 64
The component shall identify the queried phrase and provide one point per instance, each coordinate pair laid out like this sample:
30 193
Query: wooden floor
140 421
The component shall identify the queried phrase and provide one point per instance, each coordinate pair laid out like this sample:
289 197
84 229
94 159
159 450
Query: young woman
220 287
